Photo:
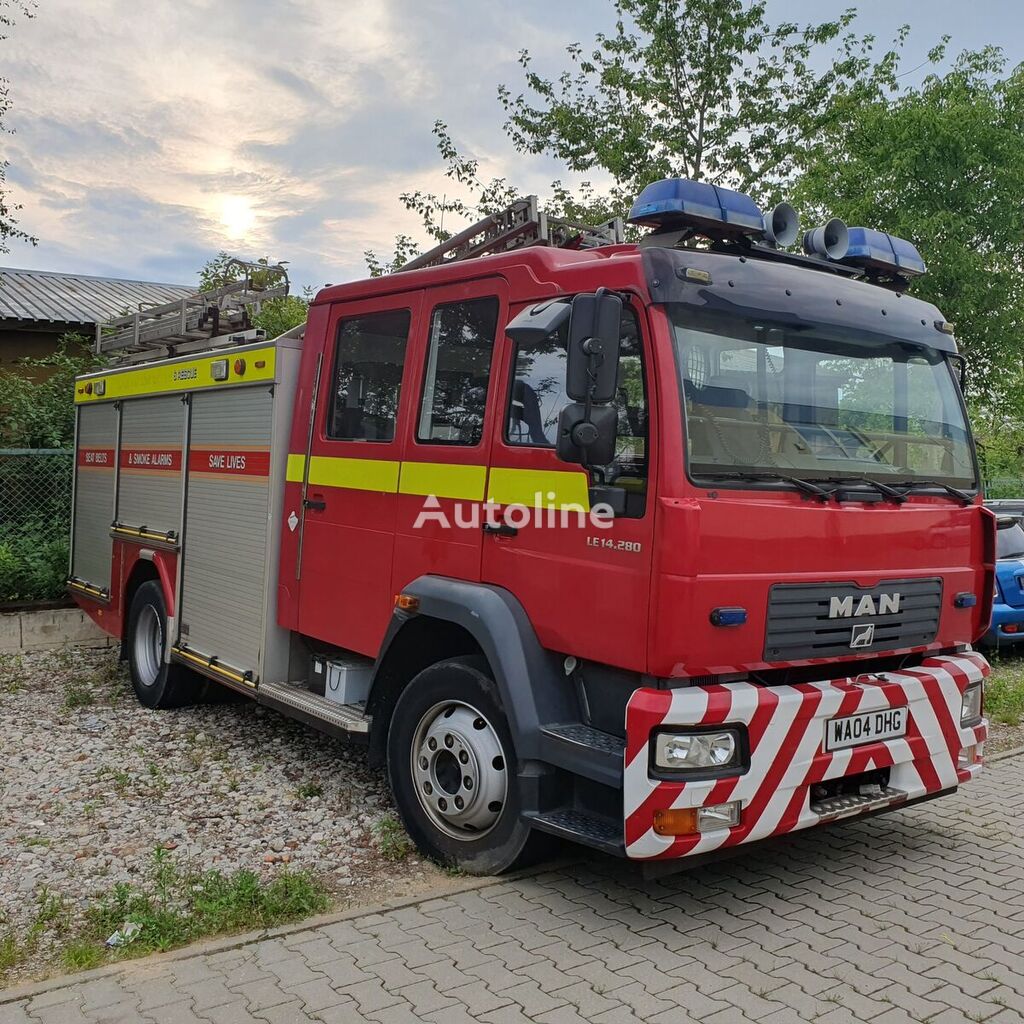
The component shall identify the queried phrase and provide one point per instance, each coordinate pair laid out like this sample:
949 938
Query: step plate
581 827
350 717
834 807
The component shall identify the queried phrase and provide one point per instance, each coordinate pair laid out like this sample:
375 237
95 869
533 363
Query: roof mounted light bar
677 209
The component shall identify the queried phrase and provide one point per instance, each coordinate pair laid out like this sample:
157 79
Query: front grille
800 625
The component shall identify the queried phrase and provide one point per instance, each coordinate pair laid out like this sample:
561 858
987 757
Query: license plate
869 727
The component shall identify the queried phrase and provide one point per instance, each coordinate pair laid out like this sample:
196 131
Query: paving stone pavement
910 917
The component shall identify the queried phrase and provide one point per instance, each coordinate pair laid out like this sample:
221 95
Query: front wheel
157 683
452 767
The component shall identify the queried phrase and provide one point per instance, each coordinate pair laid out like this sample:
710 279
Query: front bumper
786 729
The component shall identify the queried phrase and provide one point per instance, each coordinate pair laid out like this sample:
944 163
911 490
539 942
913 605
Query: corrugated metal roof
77 298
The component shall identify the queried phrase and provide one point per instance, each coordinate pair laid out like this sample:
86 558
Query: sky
150 134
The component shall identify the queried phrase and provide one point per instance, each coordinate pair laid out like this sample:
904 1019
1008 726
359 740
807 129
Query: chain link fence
35 519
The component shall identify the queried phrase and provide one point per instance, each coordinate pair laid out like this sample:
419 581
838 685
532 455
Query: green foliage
698 88
280 315
33 560
1004 691
943 165
38 410
275 316
173 906
9 10
392 841
51 916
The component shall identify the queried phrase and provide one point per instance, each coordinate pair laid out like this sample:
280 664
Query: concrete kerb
207 947
49 629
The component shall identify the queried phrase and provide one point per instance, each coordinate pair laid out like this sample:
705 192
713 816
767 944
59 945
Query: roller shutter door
94 494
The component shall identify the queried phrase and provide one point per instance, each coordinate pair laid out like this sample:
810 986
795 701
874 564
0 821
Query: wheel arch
148 565
459 618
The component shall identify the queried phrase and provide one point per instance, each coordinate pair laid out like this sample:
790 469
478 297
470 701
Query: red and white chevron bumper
786 730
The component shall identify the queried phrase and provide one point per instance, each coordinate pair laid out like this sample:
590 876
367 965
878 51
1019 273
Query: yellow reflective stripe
296 464
357 474
180 375
443 480
556 487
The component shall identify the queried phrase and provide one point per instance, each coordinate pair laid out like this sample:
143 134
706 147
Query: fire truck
663 548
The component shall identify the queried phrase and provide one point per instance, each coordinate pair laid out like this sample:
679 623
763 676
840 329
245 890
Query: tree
9 9
942 164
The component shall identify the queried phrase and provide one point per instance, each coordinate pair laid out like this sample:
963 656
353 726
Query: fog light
718 816
685 821
1010 627
970 705
968 756
696 750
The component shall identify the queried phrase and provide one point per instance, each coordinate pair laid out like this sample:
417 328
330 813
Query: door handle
501 529
314 504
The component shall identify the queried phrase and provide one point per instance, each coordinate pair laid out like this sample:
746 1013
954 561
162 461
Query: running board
296 701
581 828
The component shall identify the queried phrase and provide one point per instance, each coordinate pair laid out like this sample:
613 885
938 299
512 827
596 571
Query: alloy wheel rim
149 645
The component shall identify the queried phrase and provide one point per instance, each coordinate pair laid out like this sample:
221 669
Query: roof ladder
195 321
521 224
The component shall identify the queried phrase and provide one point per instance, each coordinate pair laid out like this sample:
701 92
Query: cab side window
366 387
458 372
538 396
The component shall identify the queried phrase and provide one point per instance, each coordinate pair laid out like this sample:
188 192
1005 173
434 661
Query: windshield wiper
884 489
953 492
821 493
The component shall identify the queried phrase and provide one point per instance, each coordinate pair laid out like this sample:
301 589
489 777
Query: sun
237 216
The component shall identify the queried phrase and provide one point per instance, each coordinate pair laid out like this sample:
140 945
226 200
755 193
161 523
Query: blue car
1008 608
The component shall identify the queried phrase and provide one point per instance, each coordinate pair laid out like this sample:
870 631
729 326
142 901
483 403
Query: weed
12 668
78 693
81 955
35 840
1004 692
308 790
392 840
173 906
51 915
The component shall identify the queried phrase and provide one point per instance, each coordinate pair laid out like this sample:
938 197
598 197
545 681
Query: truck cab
662 548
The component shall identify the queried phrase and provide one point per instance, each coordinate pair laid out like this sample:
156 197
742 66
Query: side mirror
588 440
1002 522
592 361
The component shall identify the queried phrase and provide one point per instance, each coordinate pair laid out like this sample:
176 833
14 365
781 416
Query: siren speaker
782 225
830 240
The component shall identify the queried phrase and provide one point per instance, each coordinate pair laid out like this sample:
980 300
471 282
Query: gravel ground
91 783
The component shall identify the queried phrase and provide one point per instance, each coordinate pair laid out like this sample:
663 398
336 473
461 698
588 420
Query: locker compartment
95 480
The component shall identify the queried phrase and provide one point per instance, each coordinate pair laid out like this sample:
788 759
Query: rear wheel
453 770
157 683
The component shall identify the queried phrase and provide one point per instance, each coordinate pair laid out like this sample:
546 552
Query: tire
157 683
453 770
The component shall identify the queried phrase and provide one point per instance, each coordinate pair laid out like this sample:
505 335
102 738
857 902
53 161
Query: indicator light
685 821
100 387
88 388
407 602
219 369
239 367
728 616
970 705
260 363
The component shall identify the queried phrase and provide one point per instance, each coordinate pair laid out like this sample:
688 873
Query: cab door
443 477
584 587
350 513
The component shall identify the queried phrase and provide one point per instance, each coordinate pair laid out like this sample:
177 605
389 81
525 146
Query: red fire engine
663 548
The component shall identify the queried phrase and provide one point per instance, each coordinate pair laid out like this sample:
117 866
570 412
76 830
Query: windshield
1010 542
767 400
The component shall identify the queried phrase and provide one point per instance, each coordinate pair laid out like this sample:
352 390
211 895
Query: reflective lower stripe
555 487
357 474
443 480
534 488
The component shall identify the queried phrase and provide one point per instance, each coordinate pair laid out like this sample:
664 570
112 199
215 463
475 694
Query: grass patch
51 916
392 841
1004 692
78 694
174 906
308 790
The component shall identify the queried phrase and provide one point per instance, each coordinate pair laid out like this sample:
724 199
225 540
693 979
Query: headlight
970 706
695 751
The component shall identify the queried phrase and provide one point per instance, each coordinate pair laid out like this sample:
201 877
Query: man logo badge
863 636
